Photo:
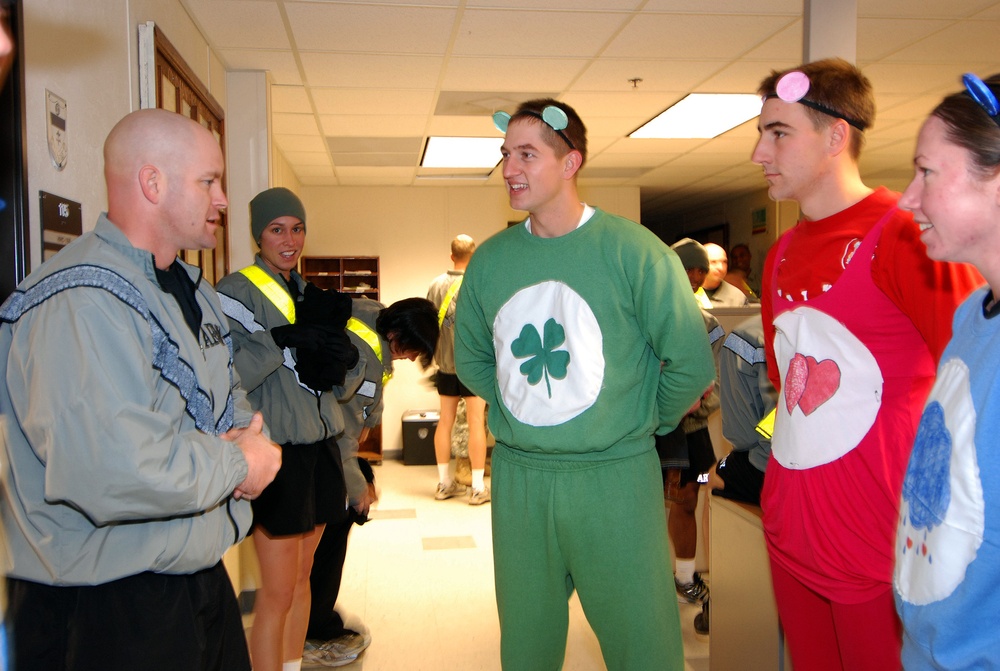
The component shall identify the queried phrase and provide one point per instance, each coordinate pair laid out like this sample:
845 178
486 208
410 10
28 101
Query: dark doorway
15 257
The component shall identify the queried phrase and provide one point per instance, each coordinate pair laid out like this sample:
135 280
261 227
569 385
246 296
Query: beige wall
88 56
282 172
410 230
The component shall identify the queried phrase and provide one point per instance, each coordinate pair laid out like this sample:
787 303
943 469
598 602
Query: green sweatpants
598 527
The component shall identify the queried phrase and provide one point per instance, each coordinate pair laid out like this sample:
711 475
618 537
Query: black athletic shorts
448 384
308 490
148 621
743 480
701 456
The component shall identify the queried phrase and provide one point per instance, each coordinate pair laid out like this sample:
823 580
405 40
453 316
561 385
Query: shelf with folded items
356 276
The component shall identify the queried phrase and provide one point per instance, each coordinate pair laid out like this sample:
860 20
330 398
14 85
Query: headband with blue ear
979 91
553 116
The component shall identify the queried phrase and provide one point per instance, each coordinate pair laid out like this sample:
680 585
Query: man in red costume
855 318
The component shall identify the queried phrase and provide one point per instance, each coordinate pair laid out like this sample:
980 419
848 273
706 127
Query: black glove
326 367
339 346
319 371
330 308
366 470
299 336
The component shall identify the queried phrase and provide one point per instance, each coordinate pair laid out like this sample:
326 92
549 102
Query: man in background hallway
444 293
721 294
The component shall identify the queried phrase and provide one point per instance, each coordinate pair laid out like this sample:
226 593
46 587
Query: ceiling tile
615 75
740 77
289 99
376 160
307 158
879 38
294 124
959 43
281 64
911 78
314 171
990 12
509 74
375 176
373 71
596 172
374 144
926 9
670 148
779 49
371 101
559 34
463 126
297 143
324 171
622 160
679 36
479 103
639 104
236 23
913 109
793 7
370 28
373 124
575 5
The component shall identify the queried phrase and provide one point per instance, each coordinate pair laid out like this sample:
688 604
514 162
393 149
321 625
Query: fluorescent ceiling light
461 152
702 115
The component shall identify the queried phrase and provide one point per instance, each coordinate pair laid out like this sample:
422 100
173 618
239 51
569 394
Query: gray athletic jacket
294 413
361 401
109 418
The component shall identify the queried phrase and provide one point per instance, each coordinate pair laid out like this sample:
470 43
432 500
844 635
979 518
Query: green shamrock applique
545 359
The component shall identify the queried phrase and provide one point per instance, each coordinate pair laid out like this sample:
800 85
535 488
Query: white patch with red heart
832 388
810 383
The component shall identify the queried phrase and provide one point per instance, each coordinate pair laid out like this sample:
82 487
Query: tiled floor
419 578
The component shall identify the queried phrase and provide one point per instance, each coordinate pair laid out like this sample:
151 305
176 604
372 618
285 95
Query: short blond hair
462 247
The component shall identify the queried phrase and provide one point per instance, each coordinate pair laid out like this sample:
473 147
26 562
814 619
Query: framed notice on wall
62 223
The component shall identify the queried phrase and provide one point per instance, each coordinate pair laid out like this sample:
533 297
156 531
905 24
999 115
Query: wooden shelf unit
371 449
353 275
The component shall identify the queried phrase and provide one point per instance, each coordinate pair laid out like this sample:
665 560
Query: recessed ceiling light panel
461 152
701 115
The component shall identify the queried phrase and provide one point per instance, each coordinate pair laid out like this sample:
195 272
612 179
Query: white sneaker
479 497
339 651
446 492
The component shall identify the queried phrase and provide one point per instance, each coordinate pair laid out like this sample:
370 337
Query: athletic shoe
479 497
454 489
701 620
695 591
339 651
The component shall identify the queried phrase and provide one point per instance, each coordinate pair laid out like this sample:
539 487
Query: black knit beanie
268 205
692 254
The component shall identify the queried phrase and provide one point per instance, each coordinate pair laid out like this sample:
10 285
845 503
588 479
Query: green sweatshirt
585 344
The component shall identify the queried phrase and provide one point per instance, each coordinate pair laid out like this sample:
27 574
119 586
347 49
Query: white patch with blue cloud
942 516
